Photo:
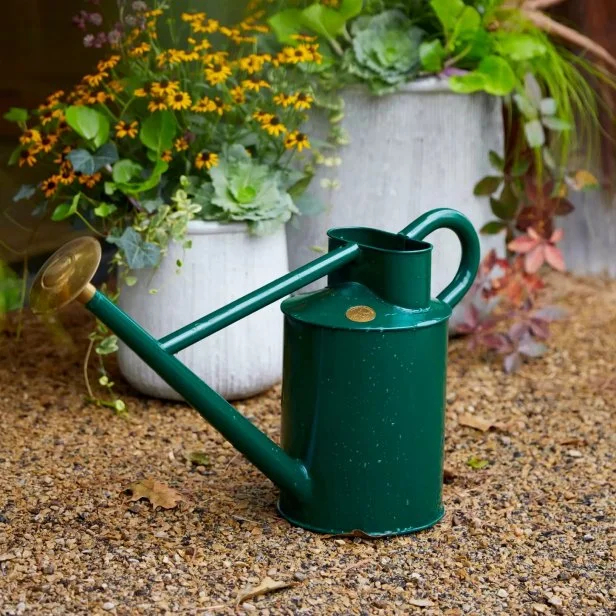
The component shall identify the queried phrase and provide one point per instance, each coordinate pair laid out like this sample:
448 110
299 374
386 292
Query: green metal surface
364 379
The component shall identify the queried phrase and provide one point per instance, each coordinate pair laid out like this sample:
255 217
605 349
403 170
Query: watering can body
363 397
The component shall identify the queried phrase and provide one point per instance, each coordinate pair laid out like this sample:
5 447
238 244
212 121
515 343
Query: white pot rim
423 85
209 227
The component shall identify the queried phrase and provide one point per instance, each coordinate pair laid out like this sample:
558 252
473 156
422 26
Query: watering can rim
412 246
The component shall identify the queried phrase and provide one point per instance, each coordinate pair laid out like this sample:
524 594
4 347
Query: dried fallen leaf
159 494
266 586
199 458
421 602
360 534
480 423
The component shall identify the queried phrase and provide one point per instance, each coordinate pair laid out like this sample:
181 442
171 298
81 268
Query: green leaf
286 24
466 25
138 253
477 463
125 170
350 8
520 168
493 227
535 135
151 205
493 75
82 161
89 124
519 47
14 157
105 209
432 55
158 131
107 154
16 114
134 188
488 185
309 205
502 209
556 124
448 12
496 161
66 209
25 192
107 346
323 20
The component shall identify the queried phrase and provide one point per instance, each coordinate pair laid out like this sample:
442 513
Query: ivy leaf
151 205
82 161
66 209
16 114
107 154
487 185
138 253
493 227
158 131
503 210
105 209
535 135
89 124
25 192
107 345
432 55
125 170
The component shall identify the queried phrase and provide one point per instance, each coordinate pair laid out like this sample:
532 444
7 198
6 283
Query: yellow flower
167 156
262 116
153 13
204 105
297 140
303 101
284 100
109 63
165 87
30 136
204 45
90 181
95 80
61 157
295 55
157 104
140 50
124 129
189 56
116 85
253 63
219 105
174 56
99 97
273 125
67 175
27 157
255 84
181 144
190 17
47 142
216 73
238 95
144 91
179 101
209 27
304 38
52 99
50 185
206 159
46 116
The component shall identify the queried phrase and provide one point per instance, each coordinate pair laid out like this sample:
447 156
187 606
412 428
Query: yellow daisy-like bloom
50 185
262 116
47 142
189 56
60 159
295 55
204 45
209 27
216 73
273 125
179 101
253 63
46 116
303 101
296 140
144 91
153 13
204 105
124 129
90 181
27 157
238 95
108 64
181 144
30 136
303 37
161 59
167 156
165 88
157 105
190 17
219 105
140 50
67 175
206 159
52 99
95 80
174 56
284 100
255 84
58 113
63 127
116 86
99 97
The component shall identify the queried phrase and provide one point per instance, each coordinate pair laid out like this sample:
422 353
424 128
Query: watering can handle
445 218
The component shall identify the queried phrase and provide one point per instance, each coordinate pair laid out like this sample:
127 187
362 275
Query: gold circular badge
360 314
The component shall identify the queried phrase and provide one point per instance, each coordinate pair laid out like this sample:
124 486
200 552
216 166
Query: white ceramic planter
421 148
223 264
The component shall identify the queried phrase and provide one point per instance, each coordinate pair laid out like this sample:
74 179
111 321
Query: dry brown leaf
266 586
479 423
159 494
421 602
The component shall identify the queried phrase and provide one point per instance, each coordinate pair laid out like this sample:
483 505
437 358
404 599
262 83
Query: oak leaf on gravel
159 494
267 585
479 423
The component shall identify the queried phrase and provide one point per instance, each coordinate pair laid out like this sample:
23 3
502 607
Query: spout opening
382 241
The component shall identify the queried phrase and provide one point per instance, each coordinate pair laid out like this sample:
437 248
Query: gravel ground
531 533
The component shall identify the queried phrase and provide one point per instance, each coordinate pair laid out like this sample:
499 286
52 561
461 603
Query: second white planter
417 149
224 263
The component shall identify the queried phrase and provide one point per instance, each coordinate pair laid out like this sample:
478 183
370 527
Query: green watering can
365 360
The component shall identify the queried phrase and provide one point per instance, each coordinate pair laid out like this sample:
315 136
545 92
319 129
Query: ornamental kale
385 50
244 190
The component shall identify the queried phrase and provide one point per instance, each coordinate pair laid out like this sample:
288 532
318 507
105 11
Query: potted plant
418 88
184 150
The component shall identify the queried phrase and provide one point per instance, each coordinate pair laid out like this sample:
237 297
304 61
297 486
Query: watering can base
358 531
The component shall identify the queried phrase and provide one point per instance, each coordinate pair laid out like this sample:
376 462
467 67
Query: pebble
502 593
556 601
108 606
588 538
